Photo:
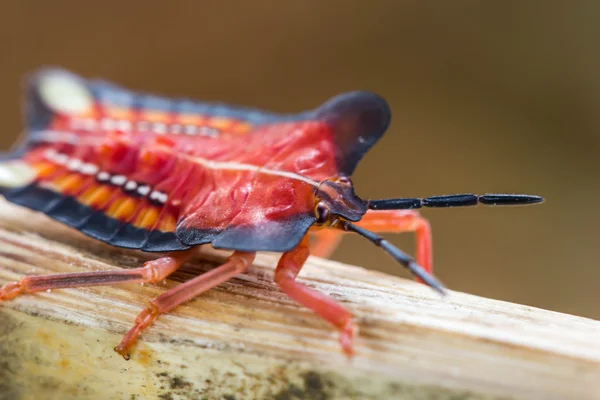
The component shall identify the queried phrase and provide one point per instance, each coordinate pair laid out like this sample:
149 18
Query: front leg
397 221
388 221
287 270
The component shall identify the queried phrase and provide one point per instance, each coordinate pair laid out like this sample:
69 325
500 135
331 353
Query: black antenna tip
399 256
455 200
428 279
509 199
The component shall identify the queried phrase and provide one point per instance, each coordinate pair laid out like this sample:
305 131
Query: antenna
399 256
455 200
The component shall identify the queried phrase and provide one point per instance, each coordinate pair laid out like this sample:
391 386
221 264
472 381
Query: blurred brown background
485 98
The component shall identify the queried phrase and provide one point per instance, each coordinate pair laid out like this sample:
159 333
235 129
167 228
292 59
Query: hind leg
152 272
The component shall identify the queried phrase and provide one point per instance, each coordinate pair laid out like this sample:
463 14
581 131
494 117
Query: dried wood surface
246 340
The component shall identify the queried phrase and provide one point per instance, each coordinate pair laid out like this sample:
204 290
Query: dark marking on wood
177 382
8 359
316 387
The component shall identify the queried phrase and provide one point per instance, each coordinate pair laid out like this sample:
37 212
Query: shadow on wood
247 340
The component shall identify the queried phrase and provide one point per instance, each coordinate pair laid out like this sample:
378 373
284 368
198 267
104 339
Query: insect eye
322 213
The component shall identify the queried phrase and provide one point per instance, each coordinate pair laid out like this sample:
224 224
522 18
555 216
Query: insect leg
388 221
236 264
288 268
397 221
325 241
152 272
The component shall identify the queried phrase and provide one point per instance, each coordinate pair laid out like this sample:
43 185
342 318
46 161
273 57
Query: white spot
131 186
144 190
86 124
124 125
207 131
103 176
16 174
54 137
51 154
74 164
77 124
143 126
118 180
176 129
88 169
89 124
159 128
159 196
190 130
65 94
61 159
108 124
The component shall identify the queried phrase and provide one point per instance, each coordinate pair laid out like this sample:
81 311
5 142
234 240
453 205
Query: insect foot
143 320
10 291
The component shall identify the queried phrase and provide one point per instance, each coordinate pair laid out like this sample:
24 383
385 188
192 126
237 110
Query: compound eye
322 212
344 180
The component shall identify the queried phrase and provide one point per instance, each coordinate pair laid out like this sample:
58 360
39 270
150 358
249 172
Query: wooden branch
246 340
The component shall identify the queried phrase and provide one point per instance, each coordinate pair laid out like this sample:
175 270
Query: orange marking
167 224
149 156
154 116
115 142
241 128
44 169
153 154
68 183
122 209
114 206
147 218
119 113
163 141
96 195
220 123
92 112
191 119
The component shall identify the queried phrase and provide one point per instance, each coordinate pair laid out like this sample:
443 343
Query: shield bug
165 175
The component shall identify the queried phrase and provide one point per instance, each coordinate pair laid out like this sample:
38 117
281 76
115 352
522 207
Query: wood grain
247 340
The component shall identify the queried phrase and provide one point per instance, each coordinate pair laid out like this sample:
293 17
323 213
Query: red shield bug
165 175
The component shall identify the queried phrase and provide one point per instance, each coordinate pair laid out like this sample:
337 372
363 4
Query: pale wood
246 340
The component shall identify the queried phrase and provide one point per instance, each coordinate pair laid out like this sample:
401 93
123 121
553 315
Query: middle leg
236 264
